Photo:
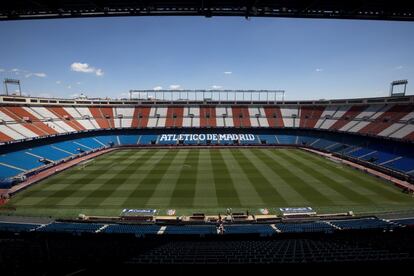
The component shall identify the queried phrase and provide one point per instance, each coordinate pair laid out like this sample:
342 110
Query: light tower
398 83
12 81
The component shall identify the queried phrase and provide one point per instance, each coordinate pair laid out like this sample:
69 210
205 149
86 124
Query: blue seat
146 139
381 157
49 153
21 160
304 227
89 142
71 227
191 230
363 223
286 139
361 152
403 164
270 139
263 230
69 146
406 222
132 229
17 227
6 172
128 139
107 139
323 143
306 140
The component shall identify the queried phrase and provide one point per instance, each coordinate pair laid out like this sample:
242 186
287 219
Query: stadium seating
304 227
280 228
286 139
137 230
128 139
284 124
262 230
363 223
6 172
20 160
268 139
191 230
406 222
71 227
385 120
17 227
147 139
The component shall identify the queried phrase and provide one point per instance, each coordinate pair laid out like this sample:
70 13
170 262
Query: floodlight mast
398 83
12 81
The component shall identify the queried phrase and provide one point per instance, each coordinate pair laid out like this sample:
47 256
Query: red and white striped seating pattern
386 120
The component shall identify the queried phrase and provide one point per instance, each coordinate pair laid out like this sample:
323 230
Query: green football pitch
210 181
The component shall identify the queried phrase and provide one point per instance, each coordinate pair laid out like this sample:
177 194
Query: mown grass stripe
109 186
184 190
223 183
39 193
263 164
205 195
147 186
161 197
308 178
59 195
93 180
269 195
377 186
303 187
349 194
244 188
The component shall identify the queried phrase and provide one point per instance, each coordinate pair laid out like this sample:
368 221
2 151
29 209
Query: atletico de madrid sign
210 137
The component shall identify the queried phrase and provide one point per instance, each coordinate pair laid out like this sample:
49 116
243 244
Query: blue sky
106 57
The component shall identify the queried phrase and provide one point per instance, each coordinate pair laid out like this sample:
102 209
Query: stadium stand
262 230
406 221
191 230
304 227
18 227
386 120
36 135
71 227
363 223
24 157
138 230
201 229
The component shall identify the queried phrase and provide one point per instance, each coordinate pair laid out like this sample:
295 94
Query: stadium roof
342 9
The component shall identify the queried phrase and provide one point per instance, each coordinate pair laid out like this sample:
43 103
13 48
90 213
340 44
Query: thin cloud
399 67
216 86
99 72
2 70
175 86
39 75
157 88
228 72
318 69
58 82
86 68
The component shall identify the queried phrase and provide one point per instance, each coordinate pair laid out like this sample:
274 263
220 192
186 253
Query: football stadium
193 157
184 176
